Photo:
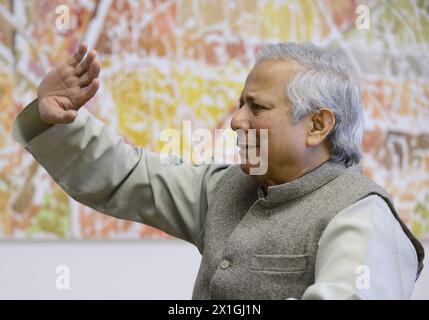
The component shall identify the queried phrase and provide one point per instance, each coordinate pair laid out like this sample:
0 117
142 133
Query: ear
320 124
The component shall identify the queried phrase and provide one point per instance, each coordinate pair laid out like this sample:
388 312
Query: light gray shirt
352 262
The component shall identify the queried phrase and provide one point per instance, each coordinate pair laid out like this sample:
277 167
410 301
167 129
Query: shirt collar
309 182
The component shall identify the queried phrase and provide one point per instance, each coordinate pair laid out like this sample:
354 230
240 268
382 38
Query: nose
240 119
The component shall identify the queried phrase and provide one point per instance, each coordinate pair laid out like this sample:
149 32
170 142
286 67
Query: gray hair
327 81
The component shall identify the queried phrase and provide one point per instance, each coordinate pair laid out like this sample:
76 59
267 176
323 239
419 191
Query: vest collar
305 184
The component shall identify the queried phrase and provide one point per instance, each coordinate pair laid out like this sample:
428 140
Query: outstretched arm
97 168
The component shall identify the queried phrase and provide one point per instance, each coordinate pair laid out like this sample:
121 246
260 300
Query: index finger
78 55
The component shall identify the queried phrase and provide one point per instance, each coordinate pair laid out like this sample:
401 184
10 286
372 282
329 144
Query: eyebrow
256 99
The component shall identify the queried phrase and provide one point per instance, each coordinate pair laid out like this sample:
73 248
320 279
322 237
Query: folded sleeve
98 169
364 254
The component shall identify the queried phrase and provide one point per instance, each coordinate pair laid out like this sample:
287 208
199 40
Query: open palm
68 87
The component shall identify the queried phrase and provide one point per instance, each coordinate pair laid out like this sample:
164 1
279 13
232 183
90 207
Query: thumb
69 116
53 114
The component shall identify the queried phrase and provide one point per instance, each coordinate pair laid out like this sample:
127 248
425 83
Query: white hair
327 81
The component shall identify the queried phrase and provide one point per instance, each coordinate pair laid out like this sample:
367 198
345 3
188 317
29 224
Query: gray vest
264 247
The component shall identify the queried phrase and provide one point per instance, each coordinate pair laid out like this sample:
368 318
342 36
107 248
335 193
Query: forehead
269 78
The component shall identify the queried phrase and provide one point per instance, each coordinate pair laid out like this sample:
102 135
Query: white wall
99 270
110 270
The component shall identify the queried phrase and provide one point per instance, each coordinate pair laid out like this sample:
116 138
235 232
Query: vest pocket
279 263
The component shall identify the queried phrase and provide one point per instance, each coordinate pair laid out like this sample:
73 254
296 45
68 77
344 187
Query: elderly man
310 227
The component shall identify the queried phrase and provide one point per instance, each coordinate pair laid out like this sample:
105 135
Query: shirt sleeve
97 168
364 254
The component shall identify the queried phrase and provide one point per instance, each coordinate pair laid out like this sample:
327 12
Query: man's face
264 105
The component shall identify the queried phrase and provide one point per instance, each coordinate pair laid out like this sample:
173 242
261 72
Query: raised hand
68 87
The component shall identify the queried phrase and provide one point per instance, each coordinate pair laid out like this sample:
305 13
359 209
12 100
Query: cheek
278 133
283 137
285 140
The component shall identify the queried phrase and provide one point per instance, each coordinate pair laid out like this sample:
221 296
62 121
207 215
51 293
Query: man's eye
256 106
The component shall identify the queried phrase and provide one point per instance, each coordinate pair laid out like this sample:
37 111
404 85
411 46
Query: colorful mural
164 62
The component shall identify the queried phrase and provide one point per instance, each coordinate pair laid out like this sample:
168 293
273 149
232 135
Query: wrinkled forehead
271 76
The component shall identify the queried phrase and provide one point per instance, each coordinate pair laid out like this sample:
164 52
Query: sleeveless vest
258 246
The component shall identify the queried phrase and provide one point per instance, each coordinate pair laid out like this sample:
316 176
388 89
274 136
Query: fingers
78 55
87 93
91 74
84 65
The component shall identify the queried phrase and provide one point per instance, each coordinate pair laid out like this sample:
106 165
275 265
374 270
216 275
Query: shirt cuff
28 124
43 140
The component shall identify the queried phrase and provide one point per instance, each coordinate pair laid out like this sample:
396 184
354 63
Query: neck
292 172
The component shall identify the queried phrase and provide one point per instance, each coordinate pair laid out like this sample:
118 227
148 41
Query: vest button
225 264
